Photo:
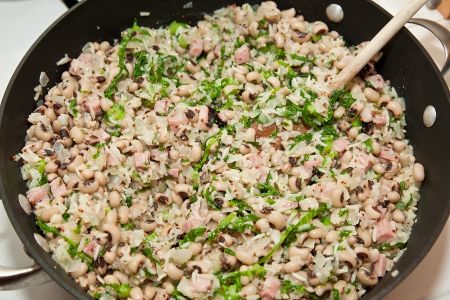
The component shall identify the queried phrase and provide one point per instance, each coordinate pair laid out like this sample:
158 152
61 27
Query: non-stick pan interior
405 63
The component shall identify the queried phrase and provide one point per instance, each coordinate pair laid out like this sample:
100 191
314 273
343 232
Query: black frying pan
405 63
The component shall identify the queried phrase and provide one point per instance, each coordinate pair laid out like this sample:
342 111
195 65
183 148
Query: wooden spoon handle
378 42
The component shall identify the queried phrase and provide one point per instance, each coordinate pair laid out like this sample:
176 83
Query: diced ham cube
36 195
196 47
58 187
340 145
270 288
380 266
176 120
379 119
161 107
205 118
388 154
157 155
376 81
174 172
92 249
255 159
141 159
201 283
242 55
93 105
384 231
193 222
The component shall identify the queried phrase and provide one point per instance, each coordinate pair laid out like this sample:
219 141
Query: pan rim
74 290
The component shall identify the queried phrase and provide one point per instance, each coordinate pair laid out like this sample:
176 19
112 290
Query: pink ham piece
376 81
340 145
92 249
203 118
176 120
157 155
255 159
36 195
174 172
388 154
380 266
384 231
201 283
242 55
92 105
379 119
270 288
161 107
141 159
58 187
196 47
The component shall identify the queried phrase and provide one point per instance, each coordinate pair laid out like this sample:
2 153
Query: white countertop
22 21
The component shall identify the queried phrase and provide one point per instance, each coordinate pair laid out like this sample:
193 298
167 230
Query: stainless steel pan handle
18 278
442 34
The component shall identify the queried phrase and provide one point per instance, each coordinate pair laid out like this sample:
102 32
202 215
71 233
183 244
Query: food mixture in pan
213 162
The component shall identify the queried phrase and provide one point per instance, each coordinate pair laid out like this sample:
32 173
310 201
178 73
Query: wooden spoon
378 42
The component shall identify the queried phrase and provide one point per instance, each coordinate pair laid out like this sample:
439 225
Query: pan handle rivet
335 13
429 116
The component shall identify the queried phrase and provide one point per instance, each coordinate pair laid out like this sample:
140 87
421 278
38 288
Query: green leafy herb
174 26
66 216
288 287
207 194
241 205
273 49
229 251
115 113
73 108
402 205
193 234
402 185
141 62
40 167
336 295
230 283
211 141
356 123
345 233
290 234
266 189
389 247
307 137
128 200
128 226
148 252
233 223
99 146
368 144
342 97
121 290
316 37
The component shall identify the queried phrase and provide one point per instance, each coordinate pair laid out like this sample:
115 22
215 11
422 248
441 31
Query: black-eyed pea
320 290
226 239
183 190
168 286
398 216
372 213
248 96
366 278
149 292
366 114
51 167
337 198
50 114
124 214
262 225
294 265
88 187
399 146
393 196
317 233
111 217
56 126
418 172
244 149
101 178
262 59
293 184
277 219
274 81
253 76
339 112
122 277
148 226
136 293
110 279
87 174
332 236
80 270
136 263
114 199
353 132
249 135
246 257
347 257
371 95
76 162
110 256
378 168
196 248
362 253
174 272
240 77
376 148
396 108
303 253
365 236
106 104
43 132
248 291
196 152
184 90
114 232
